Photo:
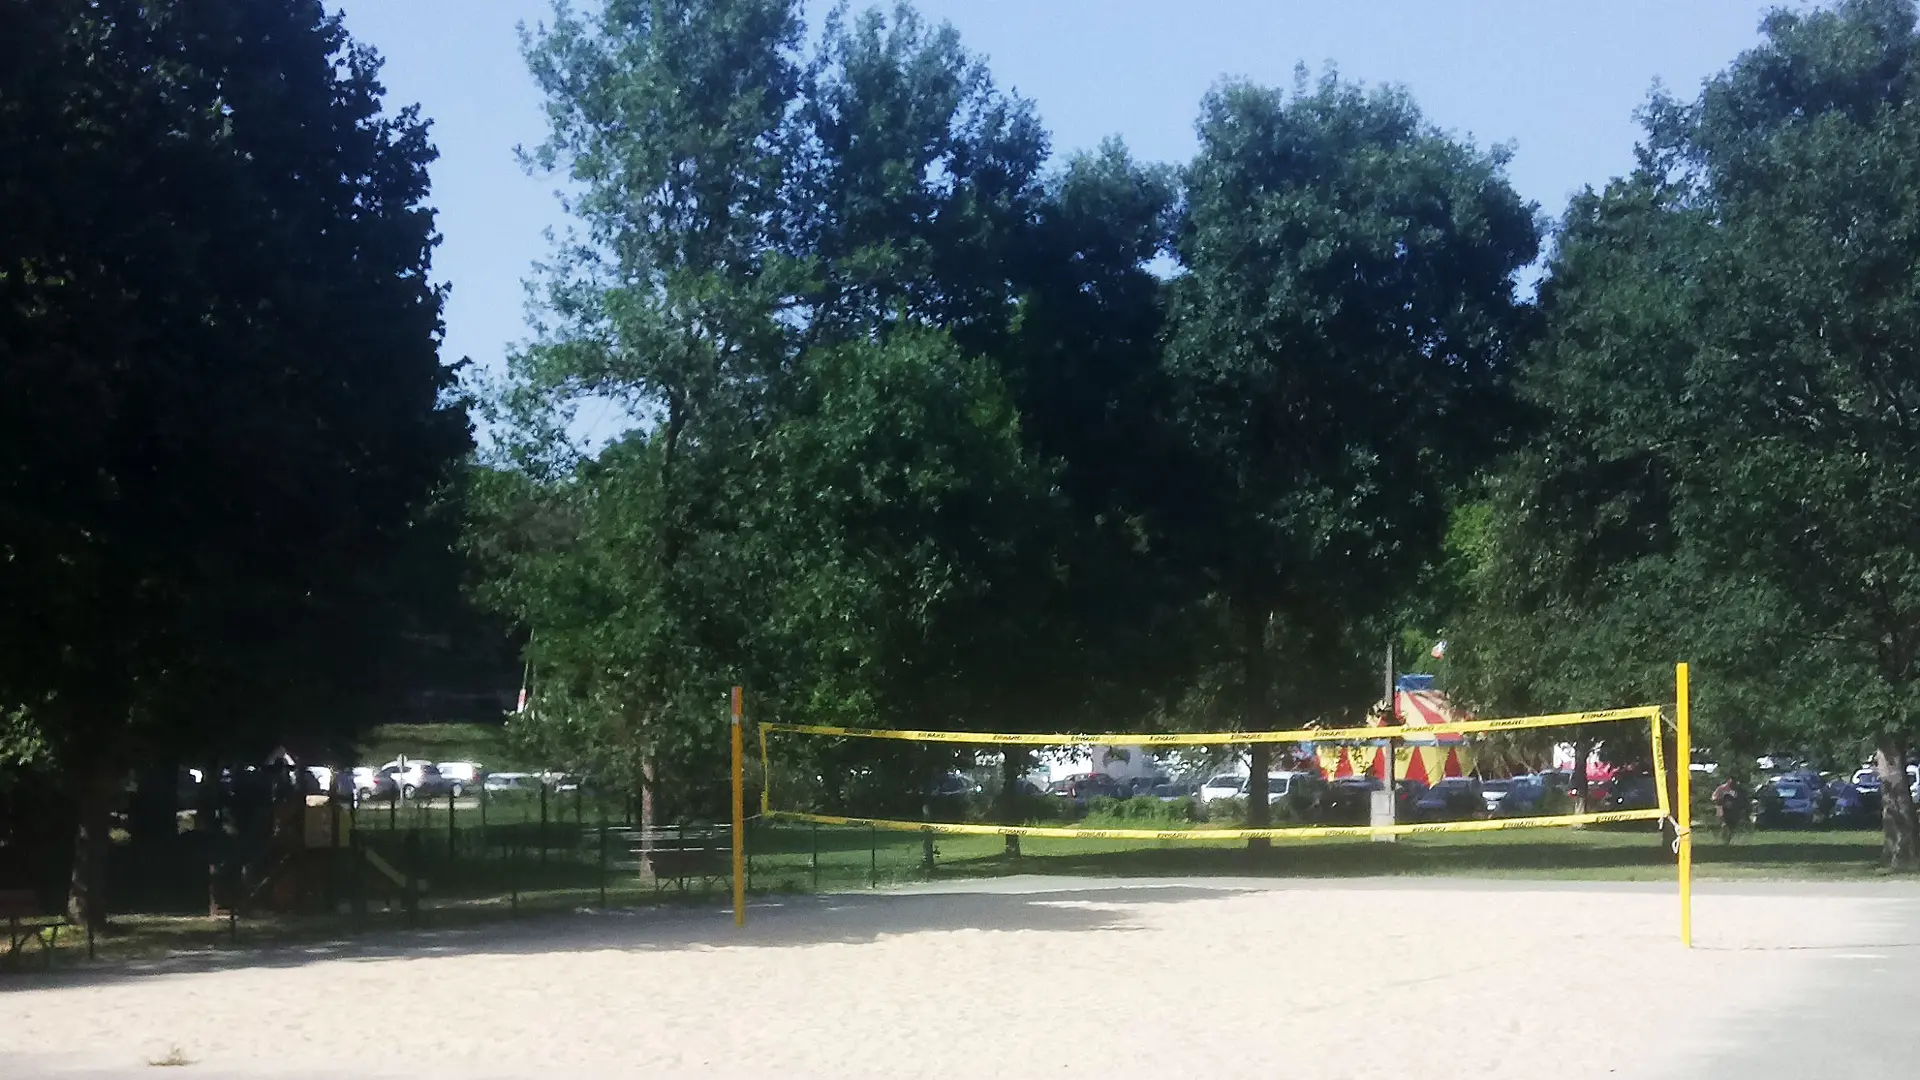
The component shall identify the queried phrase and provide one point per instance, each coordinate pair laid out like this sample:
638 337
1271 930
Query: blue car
1790 801
1454 798
1850 804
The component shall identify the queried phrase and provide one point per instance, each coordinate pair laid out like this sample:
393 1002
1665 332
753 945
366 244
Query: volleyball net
825 775
1322 774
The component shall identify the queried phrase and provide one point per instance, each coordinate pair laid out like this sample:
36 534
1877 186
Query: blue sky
1559 79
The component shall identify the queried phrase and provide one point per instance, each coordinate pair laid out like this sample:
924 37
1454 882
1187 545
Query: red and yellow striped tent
1425 758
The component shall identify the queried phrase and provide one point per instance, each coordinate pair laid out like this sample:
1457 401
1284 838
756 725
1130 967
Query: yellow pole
1683 823
739 821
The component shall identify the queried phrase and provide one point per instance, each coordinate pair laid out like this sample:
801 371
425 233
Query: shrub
1227 813
1140 812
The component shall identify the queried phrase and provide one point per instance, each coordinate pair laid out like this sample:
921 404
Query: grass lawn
851 858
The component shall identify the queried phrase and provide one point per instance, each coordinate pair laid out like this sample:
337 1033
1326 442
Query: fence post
483 819
236 888
333 850
543 821
926 814
412 847
513 869
393 808
357 850
873 858
450 829
816 856
603 857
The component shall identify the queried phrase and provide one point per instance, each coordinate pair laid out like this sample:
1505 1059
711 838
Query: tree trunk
86 894
646 819
1896 804
1013 769
1259 813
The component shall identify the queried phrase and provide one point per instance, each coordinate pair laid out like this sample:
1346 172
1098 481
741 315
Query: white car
1280 785
1869 776
417 778
372 783
463 776
1224 786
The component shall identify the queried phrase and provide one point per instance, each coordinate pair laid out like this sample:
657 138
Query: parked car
1083 789
1452 797
1299 787
1173 792
371 783
417 779
1790 801
462 776
953 785
1223 786
1848 805
1632 792
1027 789
1517 796
506 782
1349 799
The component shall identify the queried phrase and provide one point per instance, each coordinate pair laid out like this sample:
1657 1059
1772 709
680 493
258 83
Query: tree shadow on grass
776 923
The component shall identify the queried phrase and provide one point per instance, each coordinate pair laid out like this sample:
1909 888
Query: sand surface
1012 978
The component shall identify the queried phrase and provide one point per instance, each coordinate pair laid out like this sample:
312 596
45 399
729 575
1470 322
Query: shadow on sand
777 922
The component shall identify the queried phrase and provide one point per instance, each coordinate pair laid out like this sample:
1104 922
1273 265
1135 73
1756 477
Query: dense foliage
1725 465
918 422
224 421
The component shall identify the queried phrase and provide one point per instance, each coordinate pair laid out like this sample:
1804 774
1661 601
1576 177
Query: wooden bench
27 922
678 854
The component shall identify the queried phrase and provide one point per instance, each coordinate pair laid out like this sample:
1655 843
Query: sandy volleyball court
1014 978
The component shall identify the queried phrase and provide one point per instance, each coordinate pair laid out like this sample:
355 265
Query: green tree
863 297
1338 341
1728 458
224 421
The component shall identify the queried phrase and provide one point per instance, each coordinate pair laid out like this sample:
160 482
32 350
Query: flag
1439 650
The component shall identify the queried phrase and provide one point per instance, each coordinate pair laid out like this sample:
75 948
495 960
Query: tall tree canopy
1339 341
223 416
1729 384
828 492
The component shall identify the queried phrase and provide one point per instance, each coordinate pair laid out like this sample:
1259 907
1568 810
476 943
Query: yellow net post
739 820
1683 824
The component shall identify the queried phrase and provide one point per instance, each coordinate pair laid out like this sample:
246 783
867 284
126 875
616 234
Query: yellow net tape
1304 832
1224 738
1660 766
